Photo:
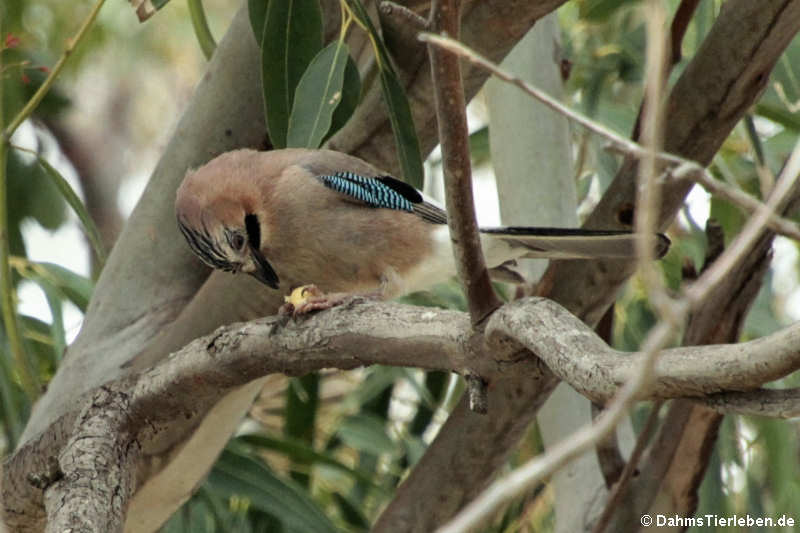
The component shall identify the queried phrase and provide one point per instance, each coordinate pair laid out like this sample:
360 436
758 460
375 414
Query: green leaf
405 134
351 96
201 30
292 36
36 334
366 433
317 96
257 10
12 398
92 233
235 474
299 451
352 513
74 287
600 10
300 414
58 334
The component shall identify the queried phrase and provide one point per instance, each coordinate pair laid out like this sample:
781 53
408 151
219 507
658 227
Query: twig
689 169
782 226
454 138
471 55
28 376
503 490
40 93
751 231
535 470
649 189
201 29
680 23
526 476
630 467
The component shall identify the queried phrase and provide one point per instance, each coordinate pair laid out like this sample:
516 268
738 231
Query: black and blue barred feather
372 191
384 192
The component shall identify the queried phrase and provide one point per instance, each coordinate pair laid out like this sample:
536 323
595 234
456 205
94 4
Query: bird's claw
308 298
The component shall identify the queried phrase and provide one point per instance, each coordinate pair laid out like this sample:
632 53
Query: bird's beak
263 271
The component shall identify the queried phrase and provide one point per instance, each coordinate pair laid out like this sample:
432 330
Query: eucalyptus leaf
300 414
366 433
237 475
291 37
74 287
257 11
600 10
299 451
405 134
351 96
89 227
318 94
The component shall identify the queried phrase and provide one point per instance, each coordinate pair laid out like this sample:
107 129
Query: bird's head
222 232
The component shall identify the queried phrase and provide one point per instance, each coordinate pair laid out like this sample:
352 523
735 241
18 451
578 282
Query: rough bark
86 482
724 78
153 296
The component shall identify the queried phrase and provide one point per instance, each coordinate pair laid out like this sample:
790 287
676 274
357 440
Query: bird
338 222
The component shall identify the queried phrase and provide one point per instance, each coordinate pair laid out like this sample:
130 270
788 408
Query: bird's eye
238 241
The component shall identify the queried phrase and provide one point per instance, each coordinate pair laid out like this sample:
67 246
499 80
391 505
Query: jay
336 221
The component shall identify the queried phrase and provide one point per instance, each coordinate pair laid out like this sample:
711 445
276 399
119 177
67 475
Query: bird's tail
569 243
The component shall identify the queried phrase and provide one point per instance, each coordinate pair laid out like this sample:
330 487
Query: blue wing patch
374 192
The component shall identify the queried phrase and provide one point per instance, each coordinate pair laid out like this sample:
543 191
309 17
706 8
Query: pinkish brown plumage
333 220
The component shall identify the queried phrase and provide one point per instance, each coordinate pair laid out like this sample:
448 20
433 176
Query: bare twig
737 197
649 190
673 313
467 53
688 169
454 138
43 89
751 231
615 497
680 23
28 376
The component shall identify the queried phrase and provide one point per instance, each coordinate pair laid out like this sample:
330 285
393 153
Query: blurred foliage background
325 452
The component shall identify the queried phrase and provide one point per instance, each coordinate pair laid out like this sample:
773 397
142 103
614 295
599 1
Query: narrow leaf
405 134
11 399
301 452
74 287
57 332
257 11
92 233
318 94
300 416
235 474
366 433
291 38
351 96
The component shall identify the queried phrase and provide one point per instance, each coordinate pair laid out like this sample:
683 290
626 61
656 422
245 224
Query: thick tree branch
703 106
125 418
578 356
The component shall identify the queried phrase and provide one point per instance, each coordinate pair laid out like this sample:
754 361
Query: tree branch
701 113
125 418
451 115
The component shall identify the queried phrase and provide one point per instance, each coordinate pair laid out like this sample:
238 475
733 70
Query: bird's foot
308 298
